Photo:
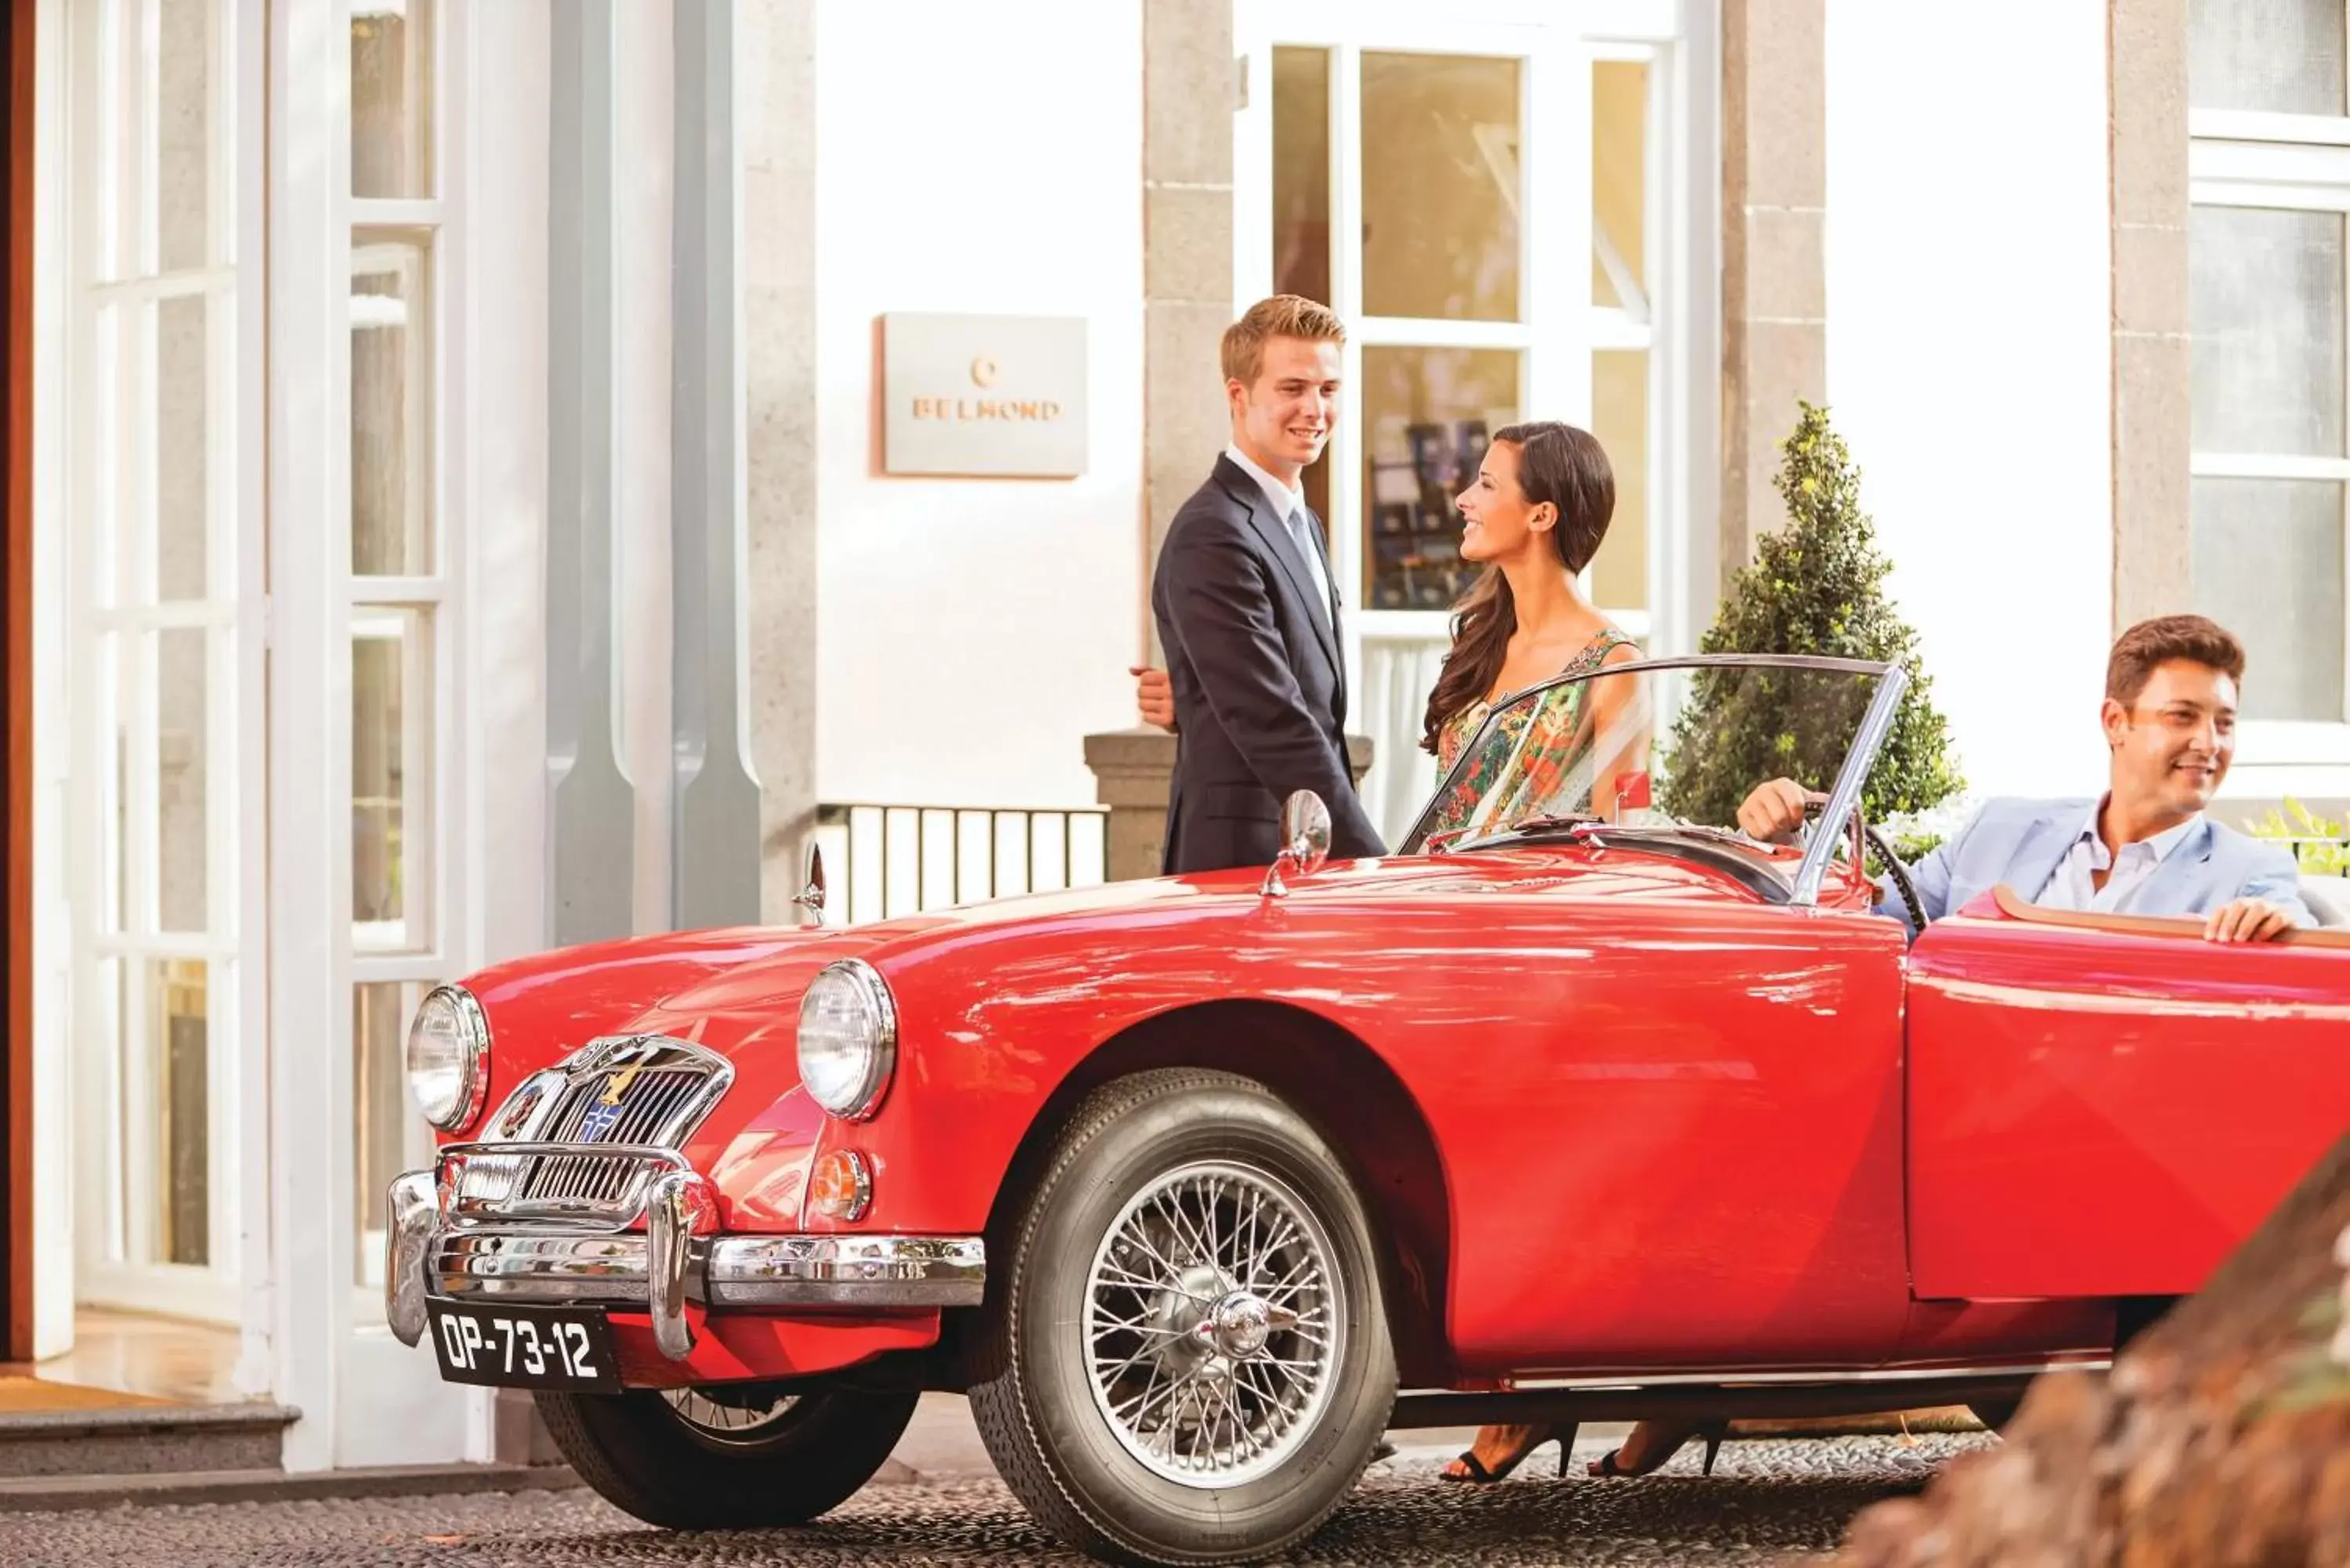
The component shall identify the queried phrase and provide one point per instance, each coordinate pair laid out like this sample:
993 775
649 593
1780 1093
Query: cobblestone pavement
1765 1503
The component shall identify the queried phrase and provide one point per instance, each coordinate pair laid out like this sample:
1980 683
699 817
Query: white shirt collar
1286 499
2159 847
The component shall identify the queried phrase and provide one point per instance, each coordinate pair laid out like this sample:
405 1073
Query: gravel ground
1765 1503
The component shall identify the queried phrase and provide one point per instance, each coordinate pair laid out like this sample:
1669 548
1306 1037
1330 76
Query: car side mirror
1304 842
810 898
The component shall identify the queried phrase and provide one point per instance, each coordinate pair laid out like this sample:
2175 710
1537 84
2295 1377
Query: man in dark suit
1248 614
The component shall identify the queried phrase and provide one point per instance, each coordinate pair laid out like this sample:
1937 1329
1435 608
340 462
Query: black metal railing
2320 856
883 860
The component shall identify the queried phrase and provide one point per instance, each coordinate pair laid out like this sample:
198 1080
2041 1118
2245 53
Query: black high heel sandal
1478 1475
1605 1466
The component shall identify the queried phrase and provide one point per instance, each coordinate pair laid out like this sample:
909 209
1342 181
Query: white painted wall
1969 322
971 632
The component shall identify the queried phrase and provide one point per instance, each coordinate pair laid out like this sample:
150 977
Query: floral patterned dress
1531 758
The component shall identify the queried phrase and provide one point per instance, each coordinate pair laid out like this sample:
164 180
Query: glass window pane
391 665
180 770
389 488
180 1030
1301 172
391 98
1619 418
183 437
2285 56
1440 187
381 1113
1619 185
2267 559
183 134
2265 308
1428 417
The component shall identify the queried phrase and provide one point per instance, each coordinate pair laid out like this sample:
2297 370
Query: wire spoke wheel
729 1421
1215 1317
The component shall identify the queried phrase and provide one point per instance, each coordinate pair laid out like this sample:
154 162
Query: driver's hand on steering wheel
1774 811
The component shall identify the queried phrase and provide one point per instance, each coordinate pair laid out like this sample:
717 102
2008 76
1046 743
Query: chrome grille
659 1090
598 1178
646 1106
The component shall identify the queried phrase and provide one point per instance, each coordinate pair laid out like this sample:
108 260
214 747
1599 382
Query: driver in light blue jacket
2145 846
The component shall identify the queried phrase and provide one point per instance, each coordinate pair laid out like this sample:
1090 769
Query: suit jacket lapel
1283 545
1336 644
2037 854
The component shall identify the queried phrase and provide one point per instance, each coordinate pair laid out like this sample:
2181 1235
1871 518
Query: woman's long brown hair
1568 468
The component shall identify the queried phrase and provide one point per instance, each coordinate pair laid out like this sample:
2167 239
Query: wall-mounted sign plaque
989 395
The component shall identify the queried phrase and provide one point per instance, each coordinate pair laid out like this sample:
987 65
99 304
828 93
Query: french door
1487 196
155 573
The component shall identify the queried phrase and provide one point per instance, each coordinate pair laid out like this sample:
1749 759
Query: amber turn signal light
842 1186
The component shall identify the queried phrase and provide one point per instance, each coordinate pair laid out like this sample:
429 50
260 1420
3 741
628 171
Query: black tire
646 1459
1033 1394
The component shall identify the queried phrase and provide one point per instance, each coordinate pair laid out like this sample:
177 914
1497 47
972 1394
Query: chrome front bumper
442 1247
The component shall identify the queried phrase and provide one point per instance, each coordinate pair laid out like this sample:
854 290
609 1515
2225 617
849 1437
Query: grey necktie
1302 532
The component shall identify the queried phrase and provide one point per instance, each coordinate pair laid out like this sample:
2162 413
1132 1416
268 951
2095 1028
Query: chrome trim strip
1871 1375
721 1271
876 1271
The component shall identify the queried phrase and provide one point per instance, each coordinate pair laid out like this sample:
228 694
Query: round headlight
849 1039
449 1057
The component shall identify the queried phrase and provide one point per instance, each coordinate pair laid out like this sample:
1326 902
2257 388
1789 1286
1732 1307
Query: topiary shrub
1816 586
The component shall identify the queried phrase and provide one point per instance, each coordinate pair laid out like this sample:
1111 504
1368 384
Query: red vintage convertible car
1551 1115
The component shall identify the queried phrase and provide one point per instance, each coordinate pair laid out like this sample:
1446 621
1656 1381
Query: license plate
525 1346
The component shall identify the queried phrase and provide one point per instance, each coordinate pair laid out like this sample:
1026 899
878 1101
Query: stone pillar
1189 82
776 42
2150 373
1774 274
1131 769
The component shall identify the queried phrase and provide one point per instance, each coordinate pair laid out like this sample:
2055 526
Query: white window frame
1562 326
366 1398
2295 163
1557 45
113 264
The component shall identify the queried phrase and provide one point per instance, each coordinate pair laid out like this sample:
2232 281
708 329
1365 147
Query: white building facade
460 523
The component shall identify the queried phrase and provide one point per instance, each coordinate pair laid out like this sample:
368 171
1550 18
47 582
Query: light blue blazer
2022 843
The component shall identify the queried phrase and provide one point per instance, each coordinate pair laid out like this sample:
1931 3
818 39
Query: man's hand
1154 697
2246 920
1774 810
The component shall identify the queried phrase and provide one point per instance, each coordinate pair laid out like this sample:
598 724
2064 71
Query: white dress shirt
1289 505
2072 885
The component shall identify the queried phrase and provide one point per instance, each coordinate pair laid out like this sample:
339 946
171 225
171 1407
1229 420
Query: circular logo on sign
982 371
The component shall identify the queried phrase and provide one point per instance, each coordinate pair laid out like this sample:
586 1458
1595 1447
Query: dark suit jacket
1259 682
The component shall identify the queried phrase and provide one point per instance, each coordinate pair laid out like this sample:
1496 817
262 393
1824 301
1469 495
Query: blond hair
1283 316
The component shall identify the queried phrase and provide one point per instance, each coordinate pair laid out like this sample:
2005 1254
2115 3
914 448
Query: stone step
142 1440
57 1494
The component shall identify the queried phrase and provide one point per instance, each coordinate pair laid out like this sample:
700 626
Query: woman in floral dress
1536 513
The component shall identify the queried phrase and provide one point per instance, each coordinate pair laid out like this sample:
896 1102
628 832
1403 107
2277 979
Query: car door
2105 1106
1672 1135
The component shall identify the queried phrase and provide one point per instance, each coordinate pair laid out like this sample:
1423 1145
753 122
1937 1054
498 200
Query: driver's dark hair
1557 463
2150 643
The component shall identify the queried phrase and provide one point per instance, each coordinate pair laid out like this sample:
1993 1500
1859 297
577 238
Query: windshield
1661 743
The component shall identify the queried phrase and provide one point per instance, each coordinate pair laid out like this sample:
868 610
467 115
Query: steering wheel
1895 869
